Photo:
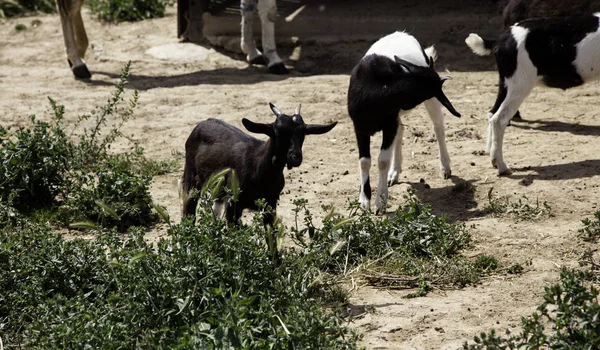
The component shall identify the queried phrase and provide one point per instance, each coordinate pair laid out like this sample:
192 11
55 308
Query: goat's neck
267 166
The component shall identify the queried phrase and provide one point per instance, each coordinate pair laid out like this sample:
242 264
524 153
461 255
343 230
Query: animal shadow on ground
248 75
566 171
457 201
543 125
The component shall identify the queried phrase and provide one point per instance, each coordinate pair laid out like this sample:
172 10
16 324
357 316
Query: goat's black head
427 82
287 133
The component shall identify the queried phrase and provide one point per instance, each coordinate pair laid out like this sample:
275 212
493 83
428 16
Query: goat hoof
393 178
447 174
81 72
260 60
505 172
517 116
278 68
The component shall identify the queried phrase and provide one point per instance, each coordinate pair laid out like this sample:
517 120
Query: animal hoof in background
278 68
517 117
393 178
446 174
380 207
260 60
505 172
81 72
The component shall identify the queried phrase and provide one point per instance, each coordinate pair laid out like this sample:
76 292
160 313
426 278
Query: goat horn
298 109
446 77
275 110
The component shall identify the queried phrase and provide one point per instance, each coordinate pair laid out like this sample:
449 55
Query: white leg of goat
497 124
383 163
267 11
434 109
396 167
253 55
364 164
219 209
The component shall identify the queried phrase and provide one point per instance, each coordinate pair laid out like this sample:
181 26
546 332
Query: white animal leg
364 164
383 163
396 167
267 11
434 109
253 55
497 124
219 209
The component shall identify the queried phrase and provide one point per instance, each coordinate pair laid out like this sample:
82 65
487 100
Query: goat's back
519 10
215 145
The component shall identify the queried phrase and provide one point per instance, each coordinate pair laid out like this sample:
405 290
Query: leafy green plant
127 10
52 174
591 228
210 285
409 249
11 8
521 209
571 309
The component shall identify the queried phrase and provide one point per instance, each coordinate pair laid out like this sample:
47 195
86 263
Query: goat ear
408 67
258 128
275 110
445 77
317 129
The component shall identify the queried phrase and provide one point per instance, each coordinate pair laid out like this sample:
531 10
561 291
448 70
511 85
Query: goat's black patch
551 44
380 88
506 54
367 188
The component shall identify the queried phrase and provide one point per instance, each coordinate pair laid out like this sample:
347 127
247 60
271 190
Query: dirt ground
554 153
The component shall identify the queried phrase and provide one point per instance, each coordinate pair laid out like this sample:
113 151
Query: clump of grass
571 310
13 8
410 249
591 228
209 285
49 173
128 10
522 209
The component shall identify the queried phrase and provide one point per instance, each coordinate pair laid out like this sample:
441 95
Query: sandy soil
553 152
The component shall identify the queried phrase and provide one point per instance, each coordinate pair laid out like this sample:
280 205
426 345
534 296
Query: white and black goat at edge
555 52
214 146
393 77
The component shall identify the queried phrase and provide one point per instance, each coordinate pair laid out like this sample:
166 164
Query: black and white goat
519 10
393 77
555 52
215 145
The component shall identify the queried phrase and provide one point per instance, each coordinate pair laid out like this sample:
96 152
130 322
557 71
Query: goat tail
478 45
431 52
184 185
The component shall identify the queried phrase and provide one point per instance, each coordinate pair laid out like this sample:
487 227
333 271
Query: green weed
127 10
571 310
56 175
591 228
521 209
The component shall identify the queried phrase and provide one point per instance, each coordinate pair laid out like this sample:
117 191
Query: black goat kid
215 145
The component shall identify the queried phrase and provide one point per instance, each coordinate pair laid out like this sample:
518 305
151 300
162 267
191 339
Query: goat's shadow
456 201
566 171
221 76
543 125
